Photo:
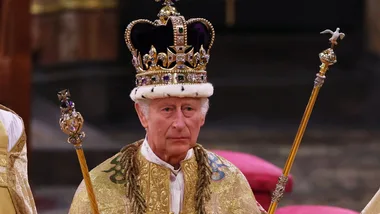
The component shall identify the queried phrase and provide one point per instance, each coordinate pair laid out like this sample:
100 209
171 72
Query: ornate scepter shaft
327 58
71 123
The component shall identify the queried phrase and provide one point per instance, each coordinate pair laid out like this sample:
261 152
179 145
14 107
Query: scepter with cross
71 123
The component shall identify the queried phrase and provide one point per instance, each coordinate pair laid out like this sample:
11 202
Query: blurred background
262 65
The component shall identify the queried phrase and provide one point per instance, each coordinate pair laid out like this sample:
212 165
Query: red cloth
264 199
313 209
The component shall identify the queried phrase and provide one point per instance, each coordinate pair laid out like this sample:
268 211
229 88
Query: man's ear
142 117
203 119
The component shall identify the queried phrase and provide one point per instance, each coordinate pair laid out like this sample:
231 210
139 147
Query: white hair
144 106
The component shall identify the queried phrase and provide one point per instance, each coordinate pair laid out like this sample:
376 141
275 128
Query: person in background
15 193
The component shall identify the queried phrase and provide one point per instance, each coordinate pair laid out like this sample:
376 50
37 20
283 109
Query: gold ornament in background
51 6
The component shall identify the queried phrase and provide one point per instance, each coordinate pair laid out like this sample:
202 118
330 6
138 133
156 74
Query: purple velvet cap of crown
144 35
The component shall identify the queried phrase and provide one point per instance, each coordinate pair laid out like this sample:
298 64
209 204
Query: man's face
172 125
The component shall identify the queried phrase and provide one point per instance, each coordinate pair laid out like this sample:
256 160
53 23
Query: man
168 172
15 193
373 207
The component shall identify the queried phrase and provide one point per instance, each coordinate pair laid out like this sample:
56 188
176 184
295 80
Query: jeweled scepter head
71 121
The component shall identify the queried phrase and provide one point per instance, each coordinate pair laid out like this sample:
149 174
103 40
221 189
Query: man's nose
179 122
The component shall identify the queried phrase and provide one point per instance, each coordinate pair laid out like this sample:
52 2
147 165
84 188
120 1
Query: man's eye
188 109
166 109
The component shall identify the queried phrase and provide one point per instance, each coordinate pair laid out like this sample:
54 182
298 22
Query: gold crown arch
179 65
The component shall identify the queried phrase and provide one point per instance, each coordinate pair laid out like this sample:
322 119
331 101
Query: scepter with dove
327 58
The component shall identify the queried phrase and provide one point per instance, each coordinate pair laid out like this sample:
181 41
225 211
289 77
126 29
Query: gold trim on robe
3 155
15 177
230 191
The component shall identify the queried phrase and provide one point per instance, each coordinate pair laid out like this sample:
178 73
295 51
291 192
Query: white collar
148 153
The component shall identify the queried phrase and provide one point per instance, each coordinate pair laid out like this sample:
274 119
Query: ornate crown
170 52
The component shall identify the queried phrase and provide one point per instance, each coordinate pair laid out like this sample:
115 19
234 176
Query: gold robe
231 193
15 192
373 207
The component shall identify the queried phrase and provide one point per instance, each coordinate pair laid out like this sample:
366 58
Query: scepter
327 58
71 123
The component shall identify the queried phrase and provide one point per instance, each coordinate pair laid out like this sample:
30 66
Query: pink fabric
313 209
262 175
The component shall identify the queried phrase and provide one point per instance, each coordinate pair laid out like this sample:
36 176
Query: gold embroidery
155 185
3 175
189 168
3 156
3 145
3 160
3 179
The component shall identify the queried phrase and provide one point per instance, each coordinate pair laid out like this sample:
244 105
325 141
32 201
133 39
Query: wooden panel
75 35
44 39
15 59
373 26
4 79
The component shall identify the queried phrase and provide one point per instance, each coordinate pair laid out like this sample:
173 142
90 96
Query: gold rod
327 58
71 123
301 130
87 180
297 142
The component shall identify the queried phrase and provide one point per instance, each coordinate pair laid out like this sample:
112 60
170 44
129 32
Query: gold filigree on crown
170 50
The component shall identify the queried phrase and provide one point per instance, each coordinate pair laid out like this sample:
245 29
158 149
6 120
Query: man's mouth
178 138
